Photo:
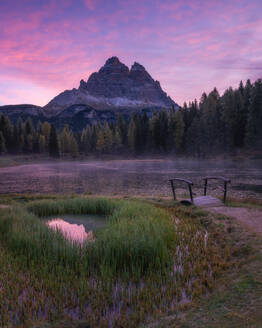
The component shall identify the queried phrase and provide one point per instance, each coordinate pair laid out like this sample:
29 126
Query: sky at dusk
190 46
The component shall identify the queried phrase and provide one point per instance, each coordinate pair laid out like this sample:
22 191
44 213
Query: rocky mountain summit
114 87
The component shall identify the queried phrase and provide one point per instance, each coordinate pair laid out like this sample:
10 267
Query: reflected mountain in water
77 228
72 232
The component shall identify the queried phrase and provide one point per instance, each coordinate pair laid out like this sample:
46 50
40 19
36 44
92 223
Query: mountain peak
137 67
112 61
112 66
115 87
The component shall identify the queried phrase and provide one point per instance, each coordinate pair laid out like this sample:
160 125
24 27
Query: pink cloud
55 46
90 4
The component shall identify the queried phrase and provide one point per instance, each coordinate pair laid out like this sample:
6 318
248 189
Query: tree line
215 124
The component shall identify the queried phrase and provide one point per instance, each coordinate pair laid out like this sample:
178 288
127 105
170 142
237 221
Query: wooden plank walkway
204 201
207 201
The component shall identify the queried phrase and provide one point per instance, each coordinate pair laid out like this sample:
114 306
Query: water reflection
77 228
72 232
128 177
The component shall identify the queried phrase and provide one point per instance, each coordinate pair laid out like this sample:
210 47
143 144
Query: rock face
114 87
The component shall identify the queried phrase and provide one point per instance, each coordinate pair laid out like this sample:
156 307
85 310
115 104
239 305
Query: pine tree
45 131
156 131
39 128
20 126
20 133
65 139
7 129
193 138
29 128
254 122
28 143
229 116
108 137
171 129
53 143
100 144
132 135
241 88
122 129
163 125
2 144
86 140
41 142
179 131
117 141
144 134
16 141
36 146
212 125
94 137
73 147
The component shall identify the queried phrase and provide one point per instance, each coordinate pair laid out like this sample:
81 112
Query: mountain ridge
113 89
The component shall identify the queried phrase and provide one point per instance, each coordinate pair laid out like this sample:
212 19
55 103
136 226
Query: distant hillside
24 111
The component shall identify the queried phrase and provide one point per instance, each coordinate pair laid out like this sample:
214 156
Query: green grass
138 239
141 263
98 206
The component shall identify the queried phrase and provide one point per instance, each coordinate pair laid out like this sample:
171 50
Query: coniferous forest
214 125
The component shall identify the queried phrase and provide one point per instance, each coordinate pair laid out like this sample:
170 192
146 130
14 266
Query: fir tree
2 144
132 134
179 131
100 144
108 138
254 122
53 143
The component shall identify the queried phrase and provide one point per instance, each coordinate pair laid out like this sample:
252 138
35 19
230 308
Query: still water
77 227
130 177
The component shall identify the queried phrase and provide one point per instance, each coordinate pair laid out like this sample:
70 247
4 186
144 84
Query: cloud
90 4
188 45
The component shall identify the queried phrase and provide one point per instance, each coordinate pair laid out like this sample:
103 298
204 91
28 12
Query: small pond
77 228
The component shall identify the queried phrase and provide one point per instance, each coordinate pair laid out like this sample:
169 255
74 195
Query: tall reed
138 239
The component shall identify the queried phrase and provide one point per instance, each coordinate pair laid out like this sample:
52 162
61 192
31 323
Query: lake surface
77 227
131 177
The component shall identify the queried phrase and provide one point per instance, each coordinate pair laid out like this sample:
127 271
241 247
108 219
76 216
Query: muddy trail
251 218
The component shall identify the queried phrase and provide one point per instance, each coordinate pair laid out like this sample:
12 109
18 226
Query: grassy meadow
148 262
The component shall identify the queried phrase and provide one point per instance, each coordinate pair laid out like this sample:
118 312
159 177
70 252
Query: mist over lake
130 177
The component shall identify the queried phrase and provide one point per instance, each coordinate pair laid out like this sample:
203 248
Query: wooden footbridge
205 200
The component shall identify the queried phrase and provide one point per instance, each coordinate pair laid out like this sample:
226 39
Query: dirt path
250 217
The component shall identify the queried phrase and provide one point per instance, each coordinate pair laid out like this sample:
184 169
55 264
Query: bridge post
173 189
205 188
225 191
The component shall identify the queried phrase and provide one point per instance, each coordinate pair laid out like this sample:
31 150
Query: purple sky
190 46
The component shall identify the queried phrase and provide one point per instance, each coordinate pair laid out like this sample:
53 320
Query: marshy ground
216 276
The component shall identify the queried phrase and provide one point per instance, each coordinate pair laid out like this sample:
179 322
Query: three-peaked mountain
113 89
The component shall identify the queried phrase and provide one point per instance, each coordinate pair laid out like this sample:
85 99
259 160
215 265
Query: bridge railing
225 181
188 182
